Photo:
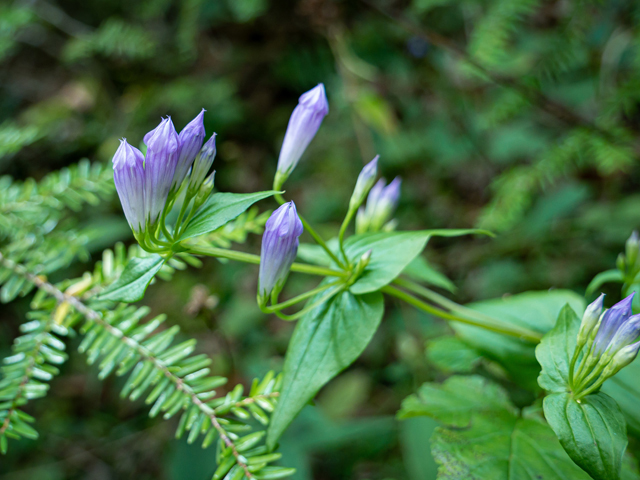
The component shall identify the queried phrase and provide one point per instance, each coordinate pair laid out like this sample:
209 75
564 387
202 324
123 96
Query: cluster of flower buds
279 249
147 185
381 203
303 125
609 341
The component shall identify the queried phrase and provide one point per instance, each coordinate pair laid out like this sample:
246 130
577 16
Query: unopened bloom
365 181
159 166
303 125
128 174
621 359
202 164
279 250
381 203
189 144
590 319
612 320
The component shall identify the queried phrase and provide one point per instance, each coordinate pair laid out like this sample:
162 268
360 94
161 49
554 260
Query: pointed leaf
593 432
325 342
134 280
219 209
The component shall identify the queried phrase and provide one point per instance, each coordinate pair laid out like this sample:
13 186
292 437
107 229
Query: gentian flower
189 144
612 321
279 250
202 164
381 203
365 181
128 174
304 123
159 167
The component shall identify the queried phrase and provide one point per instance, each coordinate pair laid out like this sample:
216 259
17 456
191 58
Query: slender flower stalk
128 174
303 125
279 249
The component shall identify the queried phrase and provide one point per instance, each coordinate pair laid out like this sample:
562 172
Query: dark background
519 116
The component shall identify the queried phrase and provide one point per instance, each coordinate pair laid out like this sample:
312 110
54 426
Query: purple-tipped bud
381 204
279 249
590 319
303 125
366 179
202 164
612 320
128 174
189 144
626 334
621 359
159 166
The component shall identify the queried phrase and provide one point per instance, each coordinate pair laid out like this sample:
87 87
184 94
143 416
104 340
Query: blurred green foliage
520 116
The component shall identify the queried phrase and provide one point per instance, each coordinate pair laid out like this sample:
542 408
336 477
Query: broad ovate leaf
537 311
592 431
485 437
325 341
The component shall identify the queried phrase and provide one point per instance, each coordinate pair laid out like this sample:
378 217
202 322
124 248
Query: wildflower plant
168 198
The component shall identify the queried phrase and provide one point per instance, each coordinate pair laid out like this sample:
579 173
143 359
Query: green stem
318 239
255 259
591 389
299 298
183 209
576 354
343 229
469 313
584 382
308 308
522 334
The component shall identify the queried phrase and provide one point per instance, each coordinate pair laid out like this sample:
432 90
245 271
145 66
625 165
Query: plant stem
308 308
505 329
279 306
255 259
343 229
318 239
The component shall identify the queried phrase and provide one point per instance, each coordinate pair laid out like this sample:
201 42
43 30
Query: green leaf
535 310
134 280
391 253
455 401
625 390
555 351
593 431
604 277
489 438
421 271
219 209
325 342
450 354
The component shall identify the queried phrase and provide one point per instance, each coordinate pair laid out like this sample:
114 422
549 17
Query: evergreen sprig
166 372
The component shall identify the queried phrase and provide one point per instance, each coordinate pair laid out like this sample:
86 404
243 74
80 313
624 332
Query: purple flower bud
365 181
626 334
202 164
612 320
189 144
159 166
381 203
279 249
621 359
128 174
590 319
304 123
